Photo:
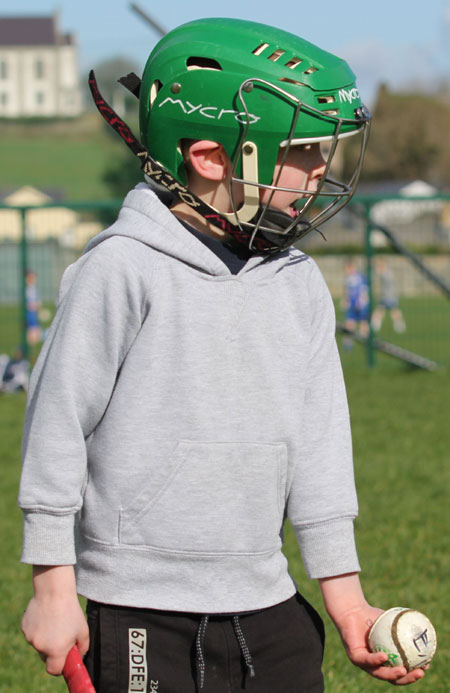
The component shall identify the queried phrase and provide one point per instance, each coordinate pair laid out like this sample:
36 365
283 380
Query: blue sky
400 42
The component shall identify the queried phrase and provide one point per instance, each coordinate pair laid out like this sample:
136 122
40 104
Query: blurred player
356 303
387 298
33 325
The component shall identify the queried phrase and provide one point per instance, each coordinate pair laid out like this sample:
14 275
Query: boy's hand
354 628
353 617
54 621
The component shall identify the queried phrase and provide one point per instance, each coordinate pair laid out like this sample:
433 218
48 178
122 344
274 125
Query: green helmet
252 88
191 82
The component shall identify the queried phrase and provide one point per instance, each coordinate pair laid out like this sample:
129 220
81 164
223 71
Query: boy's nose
317 167
315 162
319 162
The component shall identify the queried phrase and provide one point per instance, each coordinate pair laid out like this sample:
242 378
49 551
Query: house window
39 69
40 98
3 98
3 69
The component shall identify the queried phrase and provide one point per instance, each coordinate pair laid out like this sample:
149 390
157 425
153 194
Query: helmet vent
326 99
276 55
260 49
154 89
197 63
331 112
292 81
310 70
293 62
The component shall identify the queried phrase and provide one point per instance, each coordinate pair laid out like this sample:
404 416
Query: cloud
405 66
368 61
445 31
446 15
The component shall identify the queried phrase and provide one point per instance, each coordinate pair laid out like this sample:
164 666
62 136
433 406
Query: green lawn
400 429
10 331
74 163
427 333
400 433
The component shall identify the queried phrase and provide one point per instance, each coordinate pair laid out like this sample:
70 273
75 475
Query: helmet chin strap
278 228
251 204
265 218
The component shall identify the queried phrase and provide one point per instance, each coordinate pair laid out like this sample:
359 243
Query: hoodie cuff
328 548
48 539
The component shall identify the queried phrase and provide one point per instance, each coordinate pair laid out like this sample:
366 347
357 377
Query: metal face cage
275 226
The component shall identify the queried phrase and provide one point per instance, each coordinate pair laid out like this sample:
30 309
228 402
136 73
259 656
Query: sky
402 43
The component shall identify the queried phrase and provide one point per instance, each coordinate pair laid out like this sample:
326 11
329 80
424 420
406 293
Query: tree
107 74
410 138
120 177
124 172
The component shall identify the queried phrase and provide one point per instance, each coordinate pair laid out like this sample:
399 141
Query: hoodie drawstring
200 655
244 647
199 648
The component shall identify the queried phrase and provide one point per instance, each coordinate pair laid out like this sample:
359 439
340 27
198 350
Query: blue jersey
357 293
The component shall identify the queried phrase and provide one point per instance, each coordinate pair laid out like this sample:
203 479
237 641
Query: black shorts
275 650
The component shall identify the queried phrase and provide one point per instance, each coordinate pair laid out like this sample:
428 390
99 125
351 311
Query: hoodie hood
144 218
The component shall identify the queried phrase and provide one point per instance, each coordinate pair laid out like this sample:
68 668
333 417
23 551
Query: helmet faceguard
257 91
313 207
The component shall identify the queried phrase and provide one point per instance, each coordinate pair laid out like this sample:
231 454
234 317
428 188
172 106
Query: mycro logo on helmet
348 94
213 112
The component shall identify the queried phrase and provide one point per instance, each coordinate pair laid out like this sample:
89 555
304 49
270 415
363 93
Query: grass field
400 429
427 319
72 161
427 332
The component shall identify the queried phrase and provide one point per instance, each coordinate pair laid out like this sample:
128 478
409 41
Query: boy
356 303
215 405
387 298
33 304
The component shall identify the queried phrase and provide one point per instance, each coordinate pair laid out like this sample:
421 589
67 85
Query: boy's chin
291 211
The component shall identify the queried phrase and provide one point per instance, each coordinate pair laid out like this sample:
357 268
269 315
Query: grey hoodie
177 414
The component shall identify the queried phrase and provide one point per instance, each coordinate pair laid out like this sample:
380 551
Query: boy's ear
208 159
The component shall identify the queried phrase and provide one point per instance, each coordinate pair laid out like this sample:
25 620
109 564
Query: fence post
23 286
370 351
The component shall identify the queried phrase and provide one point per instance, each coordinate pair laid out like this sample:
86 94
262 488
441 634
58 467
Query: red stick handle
75 673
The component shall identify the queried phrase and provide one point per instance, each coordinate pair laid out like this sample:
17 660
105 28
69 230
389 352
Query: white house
38 69
43 223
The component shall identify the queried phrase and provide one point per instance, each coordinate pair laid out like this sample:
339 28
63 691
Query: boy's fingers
376 659
398 676
55 664
391 674
367 660
83 645
373 664
410 677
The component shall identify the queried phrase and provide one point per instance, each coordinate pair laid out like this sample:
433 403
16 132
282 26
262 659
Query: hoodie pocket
220 498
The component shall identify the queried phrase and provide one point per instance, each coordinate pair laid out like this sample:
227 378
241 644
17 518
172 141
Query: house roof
9 194
31 31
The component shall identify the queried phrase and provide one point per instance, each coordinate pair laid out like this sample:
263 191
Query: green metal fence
411 234
43 239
